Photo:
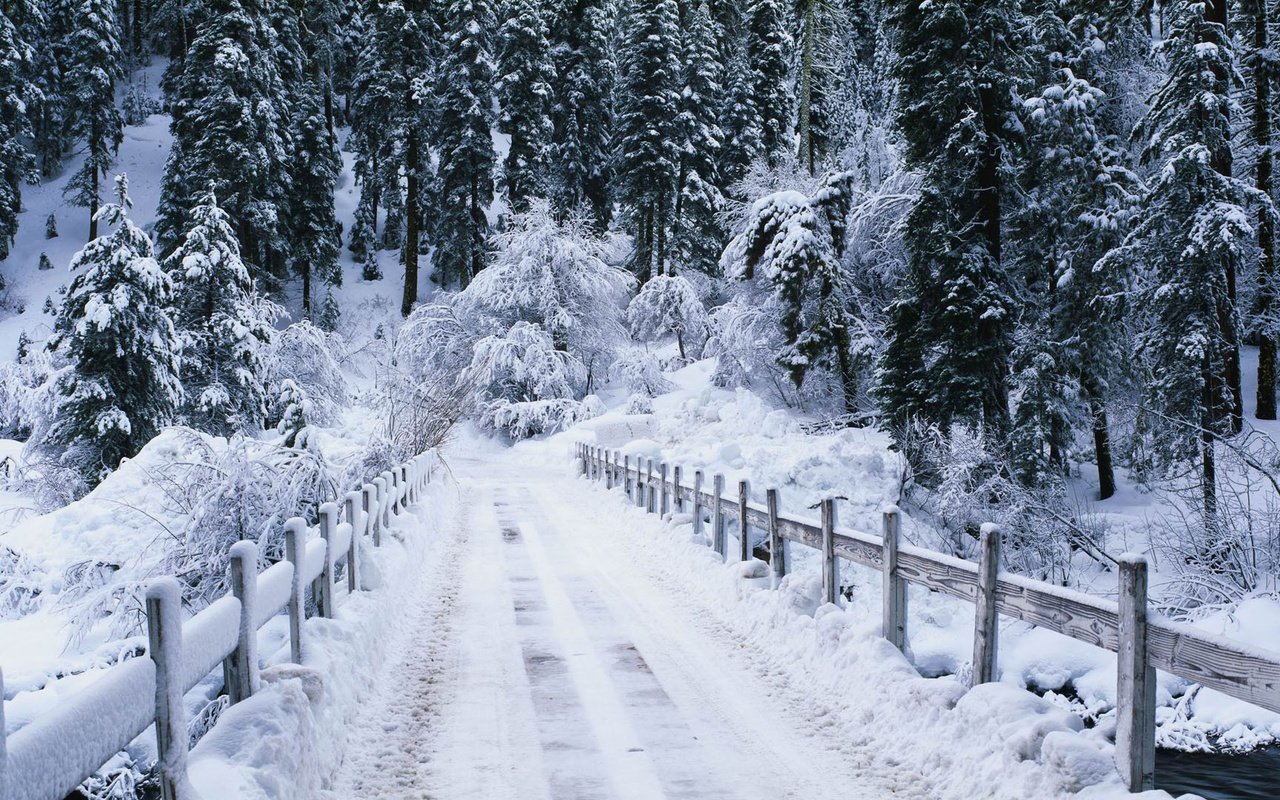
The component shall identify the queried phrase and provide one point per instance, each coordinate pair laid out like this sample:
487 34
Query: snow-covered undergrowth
286 741
736 434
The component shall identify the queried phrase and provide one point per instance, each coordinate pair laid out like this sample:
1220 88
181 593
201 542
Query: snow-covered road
541 663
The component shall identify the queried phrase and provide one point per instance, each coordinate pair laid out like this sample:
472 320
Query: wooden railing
53 754
1143 639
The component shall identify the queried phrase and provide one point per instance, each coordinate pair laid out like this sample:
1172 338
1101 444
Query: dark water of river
1217 776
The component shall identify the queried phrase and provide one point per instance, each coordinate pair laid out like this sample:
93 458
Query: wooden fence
1142 639
53 754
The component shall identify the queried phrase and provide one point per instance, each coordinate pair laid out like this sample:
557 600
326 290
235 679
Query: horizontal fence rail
56 752
1143 639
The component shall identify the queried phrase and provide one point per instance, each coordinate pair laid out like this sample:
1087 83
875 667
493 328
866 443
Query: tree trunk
804 124
93 206
1208 465
411 225
305 269
1266 399
1101 438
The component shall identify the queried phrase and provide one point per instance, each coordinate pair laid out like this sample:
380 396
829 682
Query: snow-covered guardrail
1143 639
49 757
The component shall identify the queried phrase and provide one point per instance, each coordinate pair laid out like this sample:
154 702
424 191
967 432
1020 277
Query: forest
1033 241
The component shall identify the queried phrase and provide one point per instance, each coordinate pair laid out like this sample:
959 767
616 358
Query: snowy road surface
541 663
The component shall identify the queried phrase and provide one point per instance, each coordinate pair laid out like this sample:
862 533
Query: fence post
1136 683
164 631
894 624
987 621
777 545
648 503
295 547
607 457
665 505
677 500
697 502
322 589
384 499
626 475
355 521
240 669
717 517
368 500
744 537
580 455
830 569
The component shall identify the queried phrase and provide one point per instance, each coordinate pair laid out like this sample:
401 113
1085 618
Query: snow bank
286 742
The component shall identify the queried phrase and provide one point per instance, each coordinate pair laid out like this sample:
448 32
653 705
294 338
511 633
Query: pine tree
524 92
314 235
464 186
231 130
1190 238
950 329
225 328
114 329
739 122
581 112
46 27
1260 59
648 157
16 163
768 53
292 409
698 237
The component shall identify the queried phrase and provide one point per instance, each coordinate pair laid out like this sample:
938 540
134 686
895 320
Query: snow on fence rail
52 755
1142 639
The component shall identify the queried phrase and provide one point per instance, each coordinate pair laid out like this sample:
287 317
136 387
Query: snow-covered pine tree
1190 238
582 108
41 25
316 165
91 100
292 409
698 238
768 56
524 92
114 330
648 153
464 186
950 329
668 305
231 131
1079 196
225 327
788 309
16 163
739 121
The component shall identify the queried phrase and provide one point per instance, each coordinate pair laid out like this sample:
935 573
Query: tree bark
1266 397
1101 438
804 123
411 226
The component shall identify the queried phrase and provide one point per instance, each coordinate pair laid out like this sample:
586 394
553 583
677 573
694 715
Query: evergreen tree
768 52
698 237
224 327
582 112
524 91
16 163
91 81
648 156
1190 238
292 409
314 252
465 175
45 27
1261 18
950 329
231 131
739 121
114 329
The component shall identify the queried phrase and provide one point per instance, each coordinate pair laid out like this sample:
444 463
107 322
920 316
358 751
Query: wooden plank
805 534
894 610
295 539
860 548
1135 681
322 587
777 545
241 667
744 532
830 568
986 622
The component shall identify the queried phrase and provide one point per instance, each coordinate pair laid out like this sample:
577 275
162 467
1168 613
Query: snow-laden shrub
522 385
311 358
669 306
292 408
640 371
640 404
27 396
